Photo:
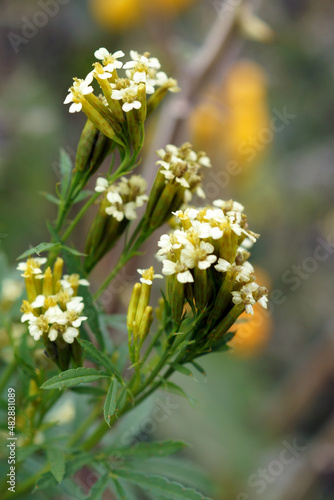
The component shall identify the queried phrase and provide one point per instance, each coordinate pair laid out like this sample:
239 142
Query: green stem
152 344
79 216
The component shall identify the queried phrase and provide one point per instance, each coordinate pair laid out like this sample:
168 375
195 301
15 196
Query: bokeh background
264 111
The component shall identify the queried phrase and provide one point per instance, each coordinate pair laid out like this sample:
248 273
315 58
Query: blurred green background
277 387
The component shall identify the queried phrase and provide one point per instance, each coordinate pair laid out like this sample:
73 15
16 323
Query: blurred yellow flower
245 94
122 14
253 332
116 14
234 120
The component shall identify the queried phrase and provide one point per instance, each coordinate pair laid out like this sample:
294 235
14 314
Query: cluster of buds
53 309
117 208
178 177
206 263
122 111
140 313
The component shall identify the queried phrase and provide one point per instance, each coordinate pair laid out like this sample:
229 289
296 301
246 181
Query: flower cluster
53 309
205 259
178 177
124 197
122 94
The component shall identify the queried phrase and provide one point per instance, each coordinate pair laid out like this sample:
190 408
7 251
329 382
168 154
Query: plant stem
84 426
79 216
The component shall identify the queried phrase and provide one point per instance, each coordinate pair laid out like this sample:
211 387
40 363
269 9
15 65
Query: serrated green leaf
100 358
121 494
110 402
73 377
175 389
145 450
42 247
50 197
182 369
56 460
65 165
99 488
160 485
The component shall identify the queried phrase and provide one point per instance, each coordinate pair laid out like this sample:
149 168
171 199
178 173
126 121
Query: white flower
129 97
199 256
53 334
140 66
77 322
72 280
223 266
38 302
148 275
55 315
109 60
183 274
75 305
161 79
31 266
244 296
35 331
101 184
77 92
70 334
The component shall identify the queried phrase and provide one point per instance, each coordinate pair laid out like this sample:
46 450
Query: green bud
176 293
92 149
162 210
200 288
132 309
48 282
145 324
76 352
97 119
228 321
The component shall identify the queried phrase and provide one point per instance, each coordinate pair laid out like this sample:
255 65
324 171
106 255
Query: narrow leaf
73 377
100 358
198 368
56 460
182 369
145 450
50 197
73 251
42 247
88 390
110 402
121 494
175 389
83 195
99 488
160 486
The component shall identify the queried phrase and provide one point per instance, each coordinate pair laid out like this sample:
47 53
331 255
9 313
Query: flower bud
92 149
145 324
57 274
48 282
176 293
132 309
97 119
